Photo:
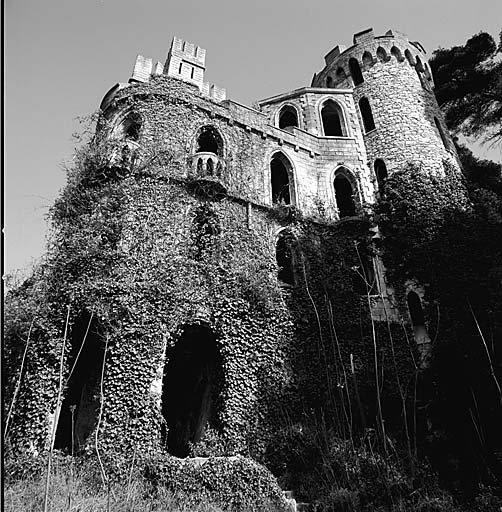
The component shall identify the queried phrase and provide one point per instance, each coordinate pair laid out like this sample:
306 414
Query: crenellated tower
393 89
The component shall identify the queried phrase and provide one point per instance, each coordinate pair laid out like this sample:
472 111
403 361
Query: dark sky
62 56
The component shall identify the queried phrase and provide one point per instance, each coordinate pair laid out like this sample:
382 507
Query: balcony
206 175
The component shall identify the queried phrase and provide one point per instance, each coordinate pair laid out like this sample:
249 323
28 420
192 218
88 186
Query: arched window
441 132
131 127
417 317
355 71
209 141
332 120
284 258
329 82
381 175
396 52
381 54
280 173
409 58
288 117
340 74
344 195
206 229
367 58
366 114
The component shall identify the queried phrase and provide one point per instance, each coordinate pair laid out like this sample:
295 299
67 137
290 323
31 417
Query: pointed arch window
209 141
381 54
366 114
131 127
355 71
284 258
344 195
332 120
288 117
281 180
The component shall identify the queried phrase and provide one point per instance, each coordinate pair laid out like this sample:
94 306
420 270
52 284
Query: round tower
393 89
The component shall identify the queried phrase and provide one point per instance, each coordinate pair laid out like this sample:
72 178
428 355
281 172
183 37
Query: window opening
381 175
83 391
207 228
210 141
284 258
367 58
279 174
288 117
131 127
355 71
409 58
344 195
332 120
340 74
396 52
381 54
191 388
366 114
329 82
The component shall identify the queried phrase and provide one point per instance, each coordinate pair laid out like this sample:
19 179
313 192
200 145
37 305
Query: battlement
185 61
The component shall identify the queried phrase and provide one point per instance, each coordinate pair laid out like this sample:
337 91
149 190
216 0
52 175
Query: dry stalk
18 383
56 414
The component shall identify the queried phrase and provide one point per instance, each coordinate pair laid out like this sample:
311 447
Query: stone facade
187 153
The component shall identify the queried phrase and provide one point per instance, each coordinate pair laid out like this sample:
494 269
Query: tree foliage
468 86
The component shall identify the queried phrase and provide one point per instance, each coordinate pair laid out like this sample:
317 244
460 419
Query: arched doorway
191 387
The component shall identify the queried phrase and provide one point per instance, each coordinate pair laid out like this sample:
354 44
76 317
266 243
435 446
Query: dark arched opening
417 317
332 120
191 388
381 54
279 176
441 132
355 71
131 127
284 258
381 175
344 195
210 141
206 230
366 114
80 407
288 117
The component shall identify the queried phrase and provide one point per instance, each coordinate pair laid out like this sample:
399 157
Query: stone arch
381 54
355 71
396 52
282 180
409 57
367 58
345 192
191 388
209 140
284 257
332 119
80 408
287 117
129 125
366 114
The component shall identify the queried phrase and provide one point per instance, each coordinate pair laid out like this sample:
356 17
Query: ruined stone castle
219 255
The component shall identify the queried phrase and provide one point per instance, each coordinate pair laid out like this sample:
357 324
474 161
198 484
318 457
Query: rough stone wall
402 102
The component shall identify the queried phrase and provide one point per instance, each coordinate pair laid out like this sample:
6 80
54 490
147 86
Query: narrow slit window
417 317
366 114
381 175
284 258
355 71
